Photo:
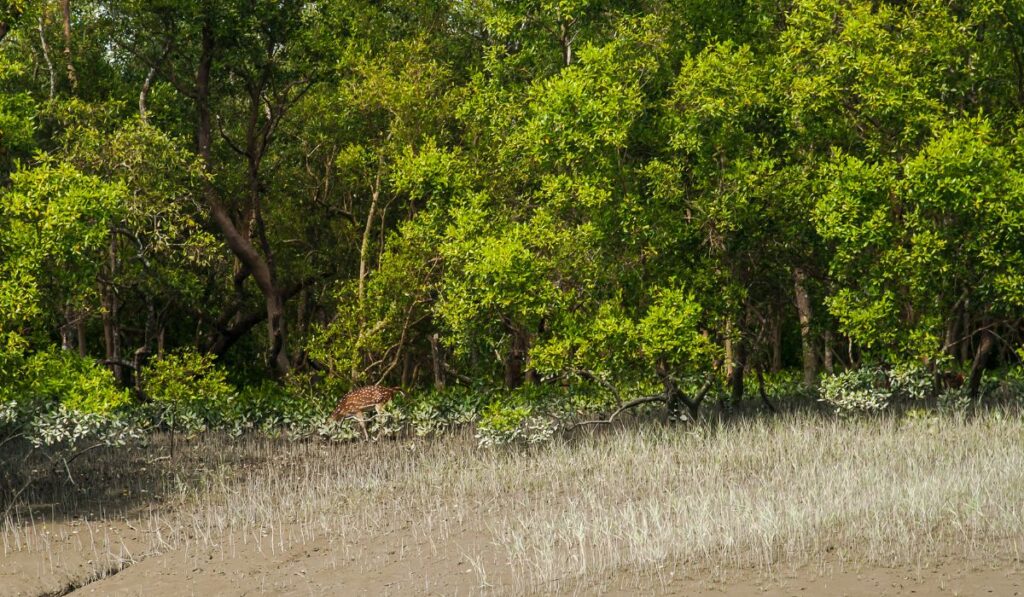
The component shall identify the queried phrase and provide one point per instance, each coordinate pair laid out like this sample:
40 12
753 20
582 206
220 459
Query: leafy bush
856 390
911 382
432 412
534 414
190 391
60 376
56 398
510 423
874 389
57 403
66 428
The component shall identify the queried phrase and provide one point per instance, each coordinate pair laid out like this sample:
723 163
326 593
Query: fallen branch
631 404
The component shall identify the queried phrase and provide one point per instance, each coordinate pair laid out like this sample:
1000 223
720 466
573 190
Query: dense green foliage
243 208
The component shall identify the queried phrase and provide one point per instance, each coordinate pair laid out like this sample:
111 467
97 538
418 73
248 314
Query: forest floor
792 505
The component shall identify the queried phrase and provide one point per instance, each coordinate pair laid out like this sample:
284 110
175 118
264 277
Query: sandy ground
326 570
51 557
63 555
946 578
106 544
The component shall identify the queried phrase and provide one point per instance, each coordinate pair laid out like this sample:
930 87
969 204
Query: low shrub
189 391
58 399
535 413
502 424
875 389
57 405
271 408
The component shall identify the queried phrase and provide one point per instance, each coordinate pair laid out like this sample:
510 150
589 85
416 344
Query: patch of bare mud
50 558
950 576
392 565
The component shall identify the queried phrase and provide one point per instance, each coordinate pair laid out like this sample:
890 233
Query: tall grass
767 492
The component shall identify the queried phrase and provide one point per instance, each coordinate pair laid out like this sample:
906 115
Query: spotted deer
358 401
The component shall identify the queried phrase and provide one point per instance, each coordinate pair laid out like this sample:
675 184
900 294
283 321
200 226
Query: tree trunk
67 341
776 339
278 355
516 358
738 370
364 247
965 344
302 315
727 349
761 391
65 6
827 356
83 348
407 369
675 399
238 243
147 83
565 38
986 346
364 258
111 327
952 336
803 308
46 52
436 357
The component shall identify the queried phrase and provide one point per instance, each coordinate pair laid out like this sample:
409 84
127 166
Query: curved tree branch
631 404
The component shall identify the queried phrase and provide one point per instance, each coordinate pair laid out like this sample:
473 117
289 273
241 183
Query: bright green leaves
186 377
583 114
17 126
918 241
189 387
874 77
17 114
719 100
161 208
57 398
669 331
613 342
53 222
400 97
55 212
61 377
495 271
431 174
856 210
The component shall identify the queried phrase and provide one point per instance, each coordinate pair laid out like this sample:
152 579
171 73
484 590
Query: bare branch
46 52
224 135
147 83
663 397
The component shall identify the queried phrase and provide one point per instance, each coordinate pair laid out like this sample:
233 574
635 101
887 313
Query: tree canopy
421 192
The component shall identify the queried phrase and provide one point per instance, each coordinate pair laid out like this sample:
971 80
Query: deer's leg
361 418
